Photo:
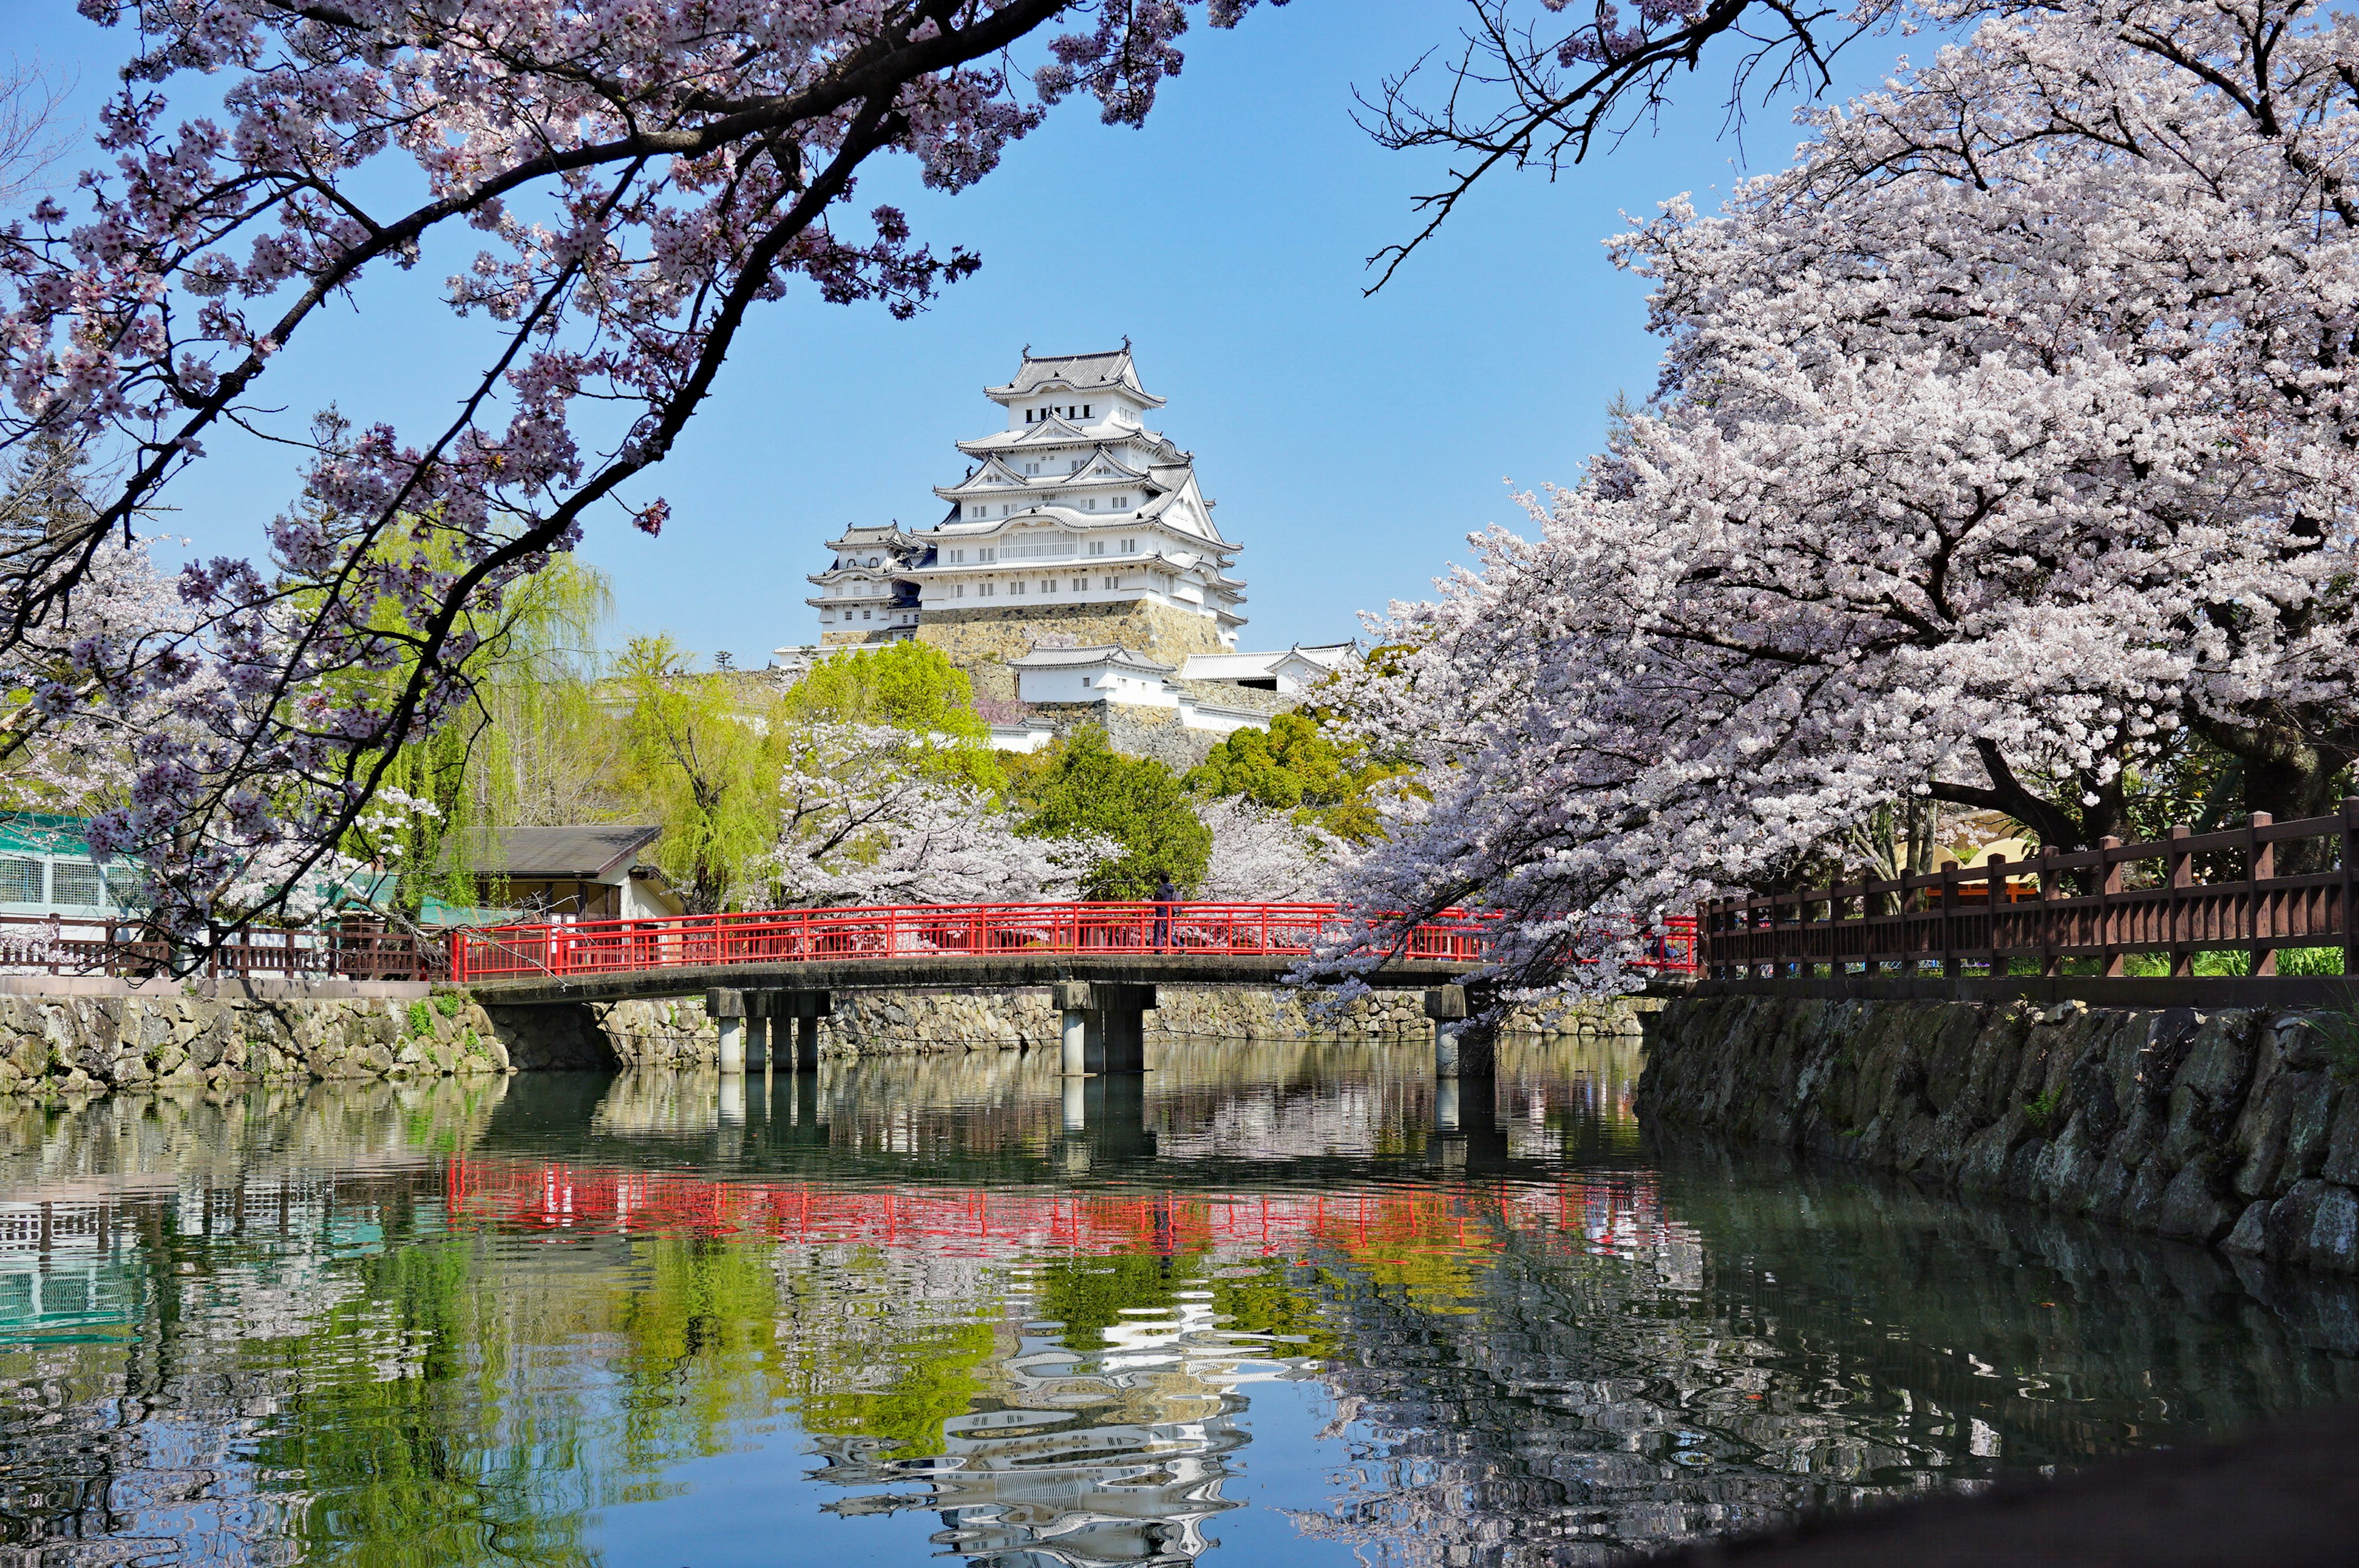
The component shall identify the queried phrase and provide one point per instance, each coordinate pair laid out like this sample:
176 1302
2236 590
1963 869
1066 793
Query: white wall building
1075 500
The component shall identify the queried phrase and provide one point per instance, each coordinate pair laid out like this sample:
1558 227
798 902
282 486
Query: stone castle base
981 642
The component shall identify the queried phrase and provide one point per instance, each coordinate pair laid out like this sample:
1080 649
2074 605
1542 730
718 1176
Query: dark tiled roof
580 853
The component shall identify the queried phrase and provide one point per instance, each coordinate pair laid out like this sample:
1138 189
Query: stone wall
2232 1129
1135 729
981 640
78 1045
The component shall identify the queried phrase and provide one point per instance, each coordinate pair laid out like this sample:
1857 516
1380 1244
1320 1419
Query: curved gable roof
1081 372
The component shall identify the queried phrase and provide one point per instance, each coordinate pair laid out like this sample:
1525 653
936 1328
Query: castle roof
1102 653
1081 372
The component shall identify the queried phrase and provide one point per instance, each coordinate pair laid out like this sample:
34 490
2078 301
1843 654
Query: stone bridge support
751 1024
1102 1026
1463 1047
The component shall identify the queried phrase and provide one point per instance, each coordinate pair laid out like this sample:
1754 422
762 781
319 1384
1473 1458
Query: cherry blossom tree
2003 437
639 178
872 815
1264 855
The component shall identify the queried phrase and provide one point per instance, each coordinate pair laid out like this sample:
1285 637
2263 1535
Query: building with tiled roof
1075 520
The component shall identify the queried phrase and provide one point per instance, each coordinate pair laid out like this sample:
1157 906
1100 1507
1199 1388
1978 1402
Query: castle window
959 592
1016 588
1086 410
1130 546
863 615
1081 584
1092 504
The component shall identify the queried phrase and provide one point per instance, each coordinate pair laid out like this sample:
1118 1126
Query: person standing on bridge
1165 893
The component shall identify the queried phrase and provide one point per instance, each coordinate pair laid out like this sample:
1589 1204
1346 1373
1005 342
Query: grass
421 1019
2042 1110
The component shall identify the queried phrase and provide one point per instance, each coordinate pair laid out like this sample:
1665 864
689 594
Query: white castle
1078 563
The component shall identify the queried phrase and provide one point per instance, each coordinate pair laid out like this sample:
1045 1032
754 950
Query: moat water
1271 1303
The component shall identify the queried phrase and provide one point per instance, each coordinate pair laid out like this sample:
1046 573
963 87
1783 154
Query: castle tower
1076 523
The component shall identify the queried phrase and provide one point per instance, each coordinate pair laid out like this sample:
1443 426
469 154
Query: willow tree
697 757
531 745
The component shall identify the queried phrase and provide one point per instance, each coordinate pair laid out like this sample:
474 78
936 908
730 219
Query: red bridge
976 945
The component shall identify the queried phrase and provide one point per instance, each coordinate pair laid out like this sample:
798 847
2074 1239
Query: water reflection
1273 1298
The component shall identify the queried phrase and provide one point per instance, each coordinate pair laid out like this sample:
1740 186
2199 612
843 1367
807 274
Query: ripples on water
1274 1301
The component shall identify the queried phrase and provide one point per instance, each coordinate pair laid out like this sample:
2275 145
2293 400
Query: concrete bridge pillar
1463 1047
758 1042
1102 1026
790 1025
726 1008
1076 1027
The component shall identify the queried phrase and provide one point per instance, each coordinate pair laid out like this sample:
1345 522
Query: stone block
2287 1228
2334 1231
2193 1206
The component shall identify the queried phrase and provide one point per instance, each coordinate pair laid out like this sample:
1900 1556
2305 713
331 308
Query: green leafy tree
1080 785
704 766
906 686
1296 765
910 686
531 746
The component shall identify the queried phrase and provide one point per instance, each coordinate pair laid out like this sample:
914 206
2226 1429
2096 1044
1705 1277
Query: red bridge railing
908 931
871 934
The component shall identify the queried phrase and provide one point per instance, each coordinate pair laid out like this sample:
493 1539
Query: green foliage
2041 1109
1089 1295
2290 961
421 1019
696 761
910 686
935 1374
1080 785
1269 1304
528 748
1296 765
450 1004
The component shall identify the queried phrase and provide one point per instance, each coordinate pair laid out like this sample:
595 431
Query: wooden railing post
2182 875
2349 925
2260 865
1994 893
1949 919
2109 935
1859 948
2050 964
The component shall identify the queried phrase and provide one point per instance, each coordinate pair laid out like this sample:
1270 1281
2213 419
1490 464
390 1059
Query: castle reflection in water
958 1304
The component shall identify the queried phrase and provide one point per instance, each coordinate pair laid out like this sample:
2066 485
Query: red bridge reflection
1606 1213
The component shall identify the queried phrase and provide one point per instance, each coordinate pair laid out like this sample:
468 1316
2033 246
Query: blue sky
1352 442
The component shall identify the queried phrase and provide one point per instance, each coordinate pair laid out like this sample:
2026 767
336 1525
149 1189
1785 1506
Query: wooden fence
2104 905
360 950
